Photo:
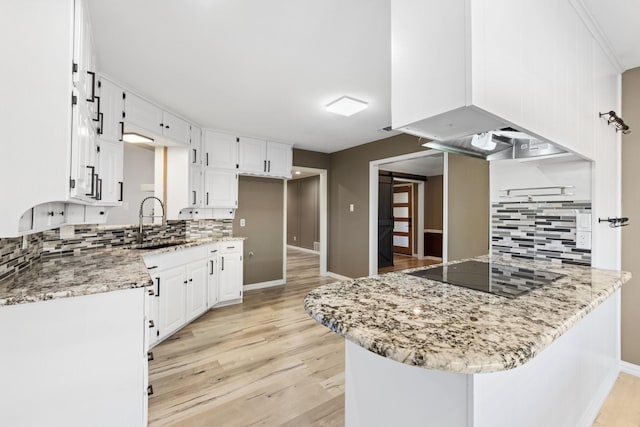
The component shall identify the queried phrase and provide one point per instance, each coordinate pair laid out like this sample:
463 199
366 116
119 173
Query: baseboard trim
261 285
630 368
298 248
435 258
338 276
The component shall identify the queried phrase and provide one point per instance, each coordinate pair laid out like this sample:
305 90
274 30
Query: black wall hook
615 222
616 121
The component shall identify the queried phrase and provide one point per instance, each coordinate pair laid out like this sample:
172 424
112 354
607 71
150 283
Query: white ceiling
267 68
427 165
258 68
619 20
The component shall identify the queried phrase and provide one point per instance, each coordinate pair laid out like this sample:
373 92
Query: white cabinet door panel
142 115
111 108
196 289
171 301
221 188
111 172
279 159
252 156
230 283
175 129
212 280
195 186
221 149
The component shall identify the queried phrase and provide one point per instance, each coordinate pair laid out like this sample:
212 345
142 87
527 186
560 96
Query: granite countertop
87 272
450 328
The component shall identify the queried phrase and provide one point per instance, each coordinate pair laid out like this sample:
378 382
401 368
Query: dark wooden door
385 221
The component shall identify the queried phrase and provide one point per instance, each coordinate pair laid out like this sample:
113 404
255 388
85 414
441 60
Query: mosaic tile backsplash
47 244
541 230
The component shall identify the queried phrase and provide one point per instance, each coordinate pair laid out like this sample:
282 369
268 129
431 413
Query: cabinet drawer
230 247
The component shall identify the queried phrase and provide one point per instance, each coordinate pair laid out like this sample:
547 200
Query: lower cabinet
77 361
230 280
190 281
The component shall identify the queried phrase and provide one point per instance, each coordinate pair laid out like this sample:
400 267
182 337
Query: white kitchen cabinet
171 301
110 171
221 150
213 277
111 102
195 145
231 274
48 215
85 355
264 158
196 190
141 116
494 70
175 129
196 289
151 313
220 188
84 149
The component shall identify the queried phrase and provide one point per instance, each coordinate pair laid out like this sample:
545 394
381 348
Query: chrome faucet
140 236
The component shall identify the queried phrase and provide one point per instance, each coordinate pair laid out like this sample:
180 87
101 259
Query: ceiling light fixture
298 172
346 106
483 141
136 138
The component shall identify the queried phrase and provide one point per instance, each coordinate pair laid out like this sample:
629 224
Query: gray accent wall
261 205
433 203
630 208
303 212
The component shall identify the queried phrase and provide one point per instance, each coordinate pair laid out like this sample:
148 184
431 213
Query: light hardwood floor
402 262
267 363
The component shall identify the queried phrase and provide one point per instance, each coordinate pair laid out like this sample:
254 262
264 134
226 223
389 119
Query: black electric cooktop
494 278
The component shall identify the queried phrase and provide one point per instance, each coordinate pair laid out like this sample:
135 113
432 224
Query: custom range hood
507 143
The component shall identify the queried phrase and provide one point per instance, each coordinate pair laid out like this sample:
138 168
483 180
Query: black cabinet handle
166 126
264 167
93 172
231 247
93 86
151 292
194 196
149 390
149 356
195 156
185 282
151 324
210 267
190 280
207 155
269 167
158 292
121 131
222 263
151 268
121 191
207 198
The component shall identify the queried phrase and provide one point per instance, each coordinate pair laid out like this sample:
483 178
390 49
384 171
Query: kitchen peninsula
421 352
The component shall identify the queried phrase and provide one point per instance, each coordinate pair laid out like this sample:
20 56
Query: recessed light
136 138
346 106
298 172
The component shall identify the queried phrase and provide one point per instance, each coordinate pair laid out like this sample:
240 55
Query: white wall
506 174
138 169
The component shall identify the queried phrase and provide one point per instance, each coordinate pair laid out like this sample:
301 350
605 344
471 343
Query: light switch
583 222
351 207
242 222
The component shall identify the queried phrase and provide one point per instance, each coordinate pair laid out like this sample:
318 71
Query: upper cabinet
147 119
220 150
491 65
264 158
57 159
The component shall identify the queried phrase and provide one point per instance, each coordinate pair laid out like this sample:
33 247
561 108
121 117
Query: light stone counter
450 328
87 272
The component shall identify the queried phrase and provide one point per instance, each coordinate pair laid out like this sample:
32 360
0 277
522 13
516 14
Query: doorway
399 227
305 219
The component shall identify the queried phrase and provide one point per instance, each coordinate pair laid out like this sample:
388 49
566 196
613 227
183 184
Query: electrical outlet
242 222
583 240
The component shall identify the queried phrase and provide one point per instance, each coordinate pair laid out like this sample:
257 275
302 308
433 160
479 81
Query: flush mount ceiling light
298 172
136 138
346 106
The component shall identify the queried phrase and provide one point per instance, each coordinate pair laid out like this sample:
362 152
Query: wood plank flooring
267 363
402 262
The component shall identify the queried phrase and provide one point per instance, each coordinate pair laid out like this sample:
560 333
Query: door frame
374 168
323 220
